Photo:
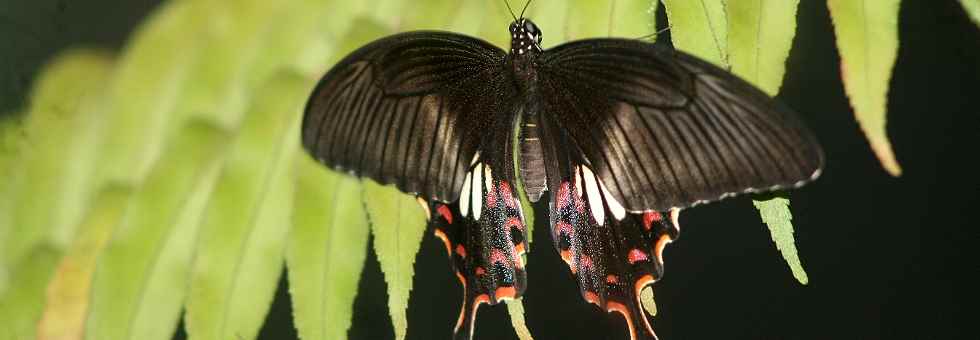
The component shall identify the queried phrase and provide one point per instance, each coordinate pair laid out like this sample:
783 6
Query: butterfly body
621 133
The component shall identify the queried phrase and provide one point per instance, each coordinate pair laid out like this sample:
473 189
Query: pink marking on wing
564 228
637 255
444 211
586 262
564 197
491 198
497 256
650 217
508 195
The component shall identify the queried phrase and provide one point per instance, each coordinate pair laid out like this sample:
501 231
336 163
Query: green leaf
776 214
143 91
21 303
646 299
46 198
867 39
972 8
141 279
239 254
699 28
516 310
326 251
68 291
760 36
398 224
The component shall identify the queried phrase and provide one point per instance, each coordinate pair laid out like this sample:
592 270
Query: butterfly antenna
510 10
525 8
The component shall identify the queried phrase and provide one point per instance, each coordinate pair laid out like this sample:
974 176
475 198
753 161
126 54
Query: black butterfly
622 133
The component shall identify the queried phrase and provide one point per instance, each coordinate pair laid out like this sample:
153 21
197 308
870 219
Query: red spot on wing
480 271
460 250
650 217
446 214
612 279
636 255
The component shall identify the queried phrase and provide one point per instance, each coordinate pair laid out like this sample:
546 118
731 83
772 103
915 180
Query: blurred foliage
169 178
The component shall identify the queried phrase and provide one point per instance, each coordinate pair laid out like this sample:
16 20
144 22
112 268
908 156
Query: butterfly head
525 37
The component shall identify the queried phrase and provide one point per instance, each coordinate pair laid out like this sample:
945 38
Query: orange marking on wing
425 207
477 301
462 310
446 214
567 256
658 247
592 298
445 240
641 283
675 215
612 306
505 293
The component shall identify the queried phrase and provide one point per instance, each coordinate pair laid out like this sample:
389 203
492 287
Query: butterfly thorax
525 46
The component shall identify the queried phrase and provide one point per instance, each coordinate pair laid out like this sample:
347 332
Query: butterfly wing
408 110
632 133
486 239
663 129
433 113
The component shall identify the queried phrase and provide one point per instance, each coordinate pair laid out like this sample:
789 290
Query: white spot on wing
578 182
595 198
477 191
464 196
617 209
488 176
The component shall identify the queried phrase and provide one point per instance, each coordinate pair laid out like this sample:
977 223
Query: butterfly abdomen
531 161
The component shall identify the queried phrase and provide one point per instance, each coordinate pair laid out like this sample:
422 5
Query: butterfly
622 134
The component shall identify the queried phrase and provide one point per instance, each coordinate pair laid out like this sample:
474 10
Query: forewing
408 109
663 129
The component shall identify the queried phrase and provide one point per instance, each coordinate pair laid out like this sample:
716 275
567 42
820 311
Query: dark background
887 257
